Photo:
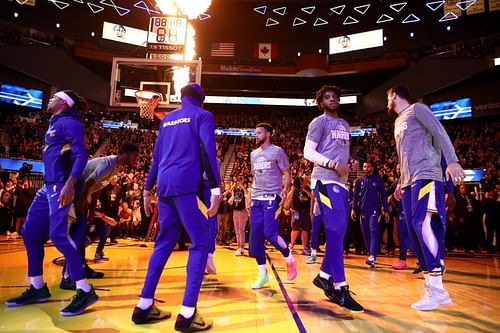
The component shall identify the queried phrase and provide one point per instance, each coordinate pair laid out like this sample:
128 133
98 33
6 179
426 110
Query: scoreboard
166 36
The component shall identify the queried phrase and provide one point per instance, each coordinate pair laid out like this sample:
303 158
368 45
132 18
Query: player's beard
391 108
260 142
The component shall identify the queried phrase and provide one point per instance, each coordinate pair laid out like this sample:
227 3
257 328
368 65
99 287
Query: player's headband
65 97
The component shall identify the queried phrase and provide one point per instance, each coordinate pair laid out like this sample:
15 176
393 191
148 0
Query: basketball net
148 101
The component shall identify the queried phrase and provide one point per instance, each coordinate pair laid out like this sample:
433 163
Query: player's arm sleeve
312 139
429 121
153 170
208 151
74 135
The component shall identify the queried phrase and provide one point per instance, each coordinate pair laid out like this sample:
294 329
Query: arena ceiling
415 29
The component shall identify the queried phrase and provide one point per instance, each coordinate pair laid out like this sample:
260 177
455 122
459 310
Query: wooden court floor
227 299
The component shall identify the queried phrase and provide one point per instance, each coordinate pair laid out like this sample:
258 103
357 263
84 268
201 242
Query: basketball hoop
148 101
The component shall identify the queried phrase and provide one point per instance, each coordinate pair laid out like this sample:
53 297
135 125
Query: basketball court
227 299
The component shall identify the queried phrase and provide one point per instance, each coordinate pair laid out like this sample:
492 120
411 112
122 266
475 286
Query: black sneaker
80 302
325 285
193 324
30 296
91 274
343 298
152 314
67 284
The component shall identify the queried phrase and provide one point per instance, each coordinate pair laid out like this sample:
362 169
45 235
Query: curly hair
320 93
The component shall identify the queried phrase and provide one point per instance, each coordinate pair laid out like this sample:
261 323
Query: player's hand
455 173
342 169
386 216
316 210
215 200
67 195
148 207
397 192
353 214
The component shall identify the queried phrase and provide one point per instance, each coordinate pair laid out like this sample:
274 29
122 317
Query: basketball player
327 145
271 183
64 159
95 177
420 142
368 196
184 149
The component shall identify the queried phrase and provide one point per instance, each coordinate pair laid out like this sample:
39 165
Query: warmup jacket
369 194
64 154
184 149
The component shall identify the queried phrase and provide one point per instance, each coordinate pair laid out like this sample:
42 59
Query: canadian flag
265 51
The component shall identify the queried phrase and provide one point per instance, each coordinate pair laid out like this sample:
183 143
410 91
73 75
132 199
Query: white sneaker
433 298
239 252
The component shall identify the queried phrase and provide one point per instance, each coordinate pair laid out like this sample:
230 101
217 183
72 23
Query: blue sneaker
312 259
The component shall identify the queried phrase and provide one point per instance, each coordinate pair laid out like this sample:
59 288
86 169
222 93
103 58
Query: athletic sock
84 285
187 311
324 275
262 268
37 281
145 303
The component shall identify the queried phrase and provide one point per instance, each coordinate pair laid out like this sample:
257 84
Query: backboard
165 76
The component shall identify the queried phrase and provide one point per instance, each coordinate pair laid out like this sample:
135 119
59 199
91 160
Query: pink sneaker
400 265
291 270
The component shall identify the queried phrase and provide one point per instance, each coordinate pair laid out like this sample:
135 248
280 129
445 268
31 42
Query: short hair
400 90
128 147
321 92
267 126
194 90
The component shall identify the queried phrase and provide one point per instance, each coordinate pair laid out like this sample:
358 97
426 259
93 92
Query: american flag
222 50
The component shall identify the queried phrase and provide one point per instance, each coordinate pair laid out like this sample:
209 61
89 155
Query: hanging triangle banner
204 16
350 20
298 21
362 9
398 6
59 4
270 22
95 8
412 18
464 5
319 21
384 18
338 10
435 5
261 10
309 10
280 11
448 17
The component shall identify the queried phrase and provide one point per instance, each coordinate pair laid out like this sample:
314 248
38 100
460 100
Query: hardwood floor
473 282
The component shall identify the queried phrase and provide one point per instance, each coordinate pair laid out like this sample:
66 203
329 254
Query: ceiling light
412 34
92 34
16 14
58 25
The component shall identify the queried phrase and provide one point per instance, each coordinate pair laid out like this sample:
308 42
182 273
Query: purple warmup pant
264 224
315 230
46 221
405 242
334 205
422 197
188 211
370 228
